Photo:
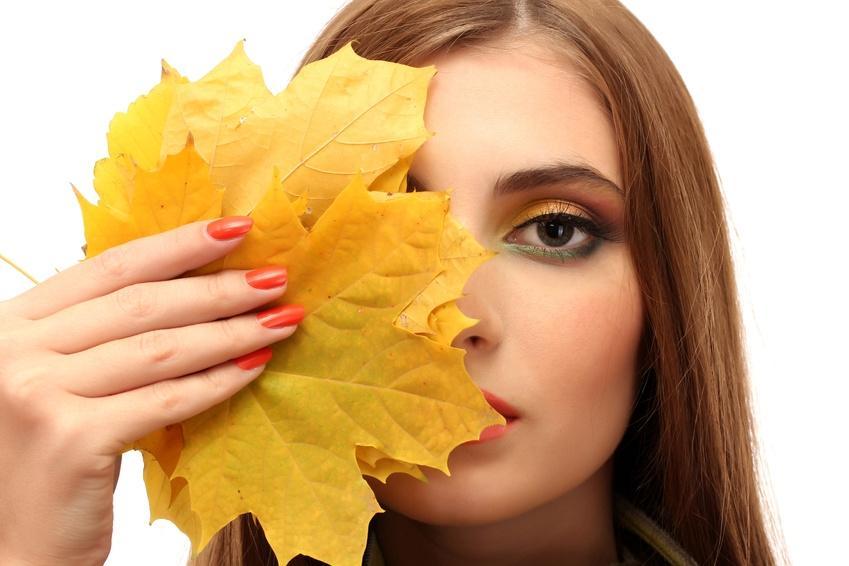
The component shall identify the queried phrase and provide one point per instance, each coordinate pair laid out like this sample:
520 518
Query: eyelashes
555 232
555 224
545 229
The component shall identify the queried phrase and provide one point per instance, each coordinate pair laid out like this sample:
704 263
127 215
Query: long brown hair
689 456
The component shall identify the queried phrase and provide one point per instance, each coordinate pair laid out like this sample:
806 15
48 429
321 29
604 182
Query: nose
478 304
480 293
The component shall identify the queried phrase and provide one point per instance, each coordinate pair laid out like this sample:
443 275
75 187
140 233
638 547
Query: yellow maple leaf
369 383
319 131
140 131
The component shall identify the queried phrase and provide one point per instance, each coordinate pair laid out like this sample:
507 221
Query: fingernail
229 227
277 317
254 359
267 277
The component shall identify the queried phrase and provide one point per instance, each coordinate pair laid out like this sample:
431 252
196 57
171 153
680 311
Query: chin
470 496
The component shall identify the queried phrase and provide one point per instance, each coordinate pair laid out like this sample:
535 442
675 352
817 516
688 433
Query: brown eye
554 230
557 229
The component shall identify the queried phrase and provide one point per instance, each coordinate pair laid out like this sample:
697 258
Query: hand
102 354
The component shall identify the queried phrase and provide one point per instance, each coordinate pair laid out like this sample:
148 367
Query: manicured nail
267 277
229 227
285 315
254 359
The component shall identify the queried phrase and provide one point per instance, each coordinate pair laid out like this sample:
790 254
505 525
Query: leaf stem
24 273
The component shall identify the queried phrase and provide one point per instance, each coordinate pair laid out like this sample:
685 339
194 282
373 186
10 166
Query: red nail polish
254 359
277 317
266 277
229 227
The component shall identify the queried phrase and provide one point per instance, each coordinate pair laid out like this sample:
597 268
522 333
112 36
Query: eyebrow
556 172
549 174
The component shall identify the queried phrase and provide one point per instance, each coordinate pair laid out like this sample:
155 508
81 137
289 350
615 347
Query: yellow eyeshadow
549 207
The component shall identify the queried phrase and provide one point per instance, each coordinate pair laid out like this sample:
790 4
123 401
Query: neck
576 528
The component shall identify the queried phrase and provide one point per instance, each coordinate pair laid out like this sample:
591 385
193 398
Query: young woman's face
558 334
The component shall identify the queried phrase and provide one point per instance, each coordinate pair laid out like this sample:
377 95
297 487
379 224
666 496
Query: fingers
151 258
133 362
136 413
143 307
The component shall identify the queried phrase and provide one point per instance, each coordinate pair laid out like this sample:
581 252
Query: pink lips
506 410
500 405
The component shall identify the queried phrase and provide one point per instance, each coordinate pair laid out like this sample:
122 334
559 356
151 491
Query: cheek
581 345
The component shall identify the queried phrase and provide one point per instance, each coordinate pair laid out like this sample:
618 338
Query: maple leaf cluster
369 383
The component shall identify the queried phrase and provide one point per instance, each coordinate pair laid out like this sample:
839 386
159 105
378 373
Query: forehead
514 106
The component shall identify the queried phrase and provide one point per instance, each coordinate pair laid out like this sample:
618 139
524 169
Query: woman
608 320
623 353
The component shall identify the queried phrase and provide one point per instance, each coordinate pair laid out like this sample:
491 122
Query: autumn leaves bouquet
369 383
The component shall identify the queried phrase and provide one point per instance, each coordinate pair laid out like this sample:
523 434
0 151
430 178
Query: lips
507 411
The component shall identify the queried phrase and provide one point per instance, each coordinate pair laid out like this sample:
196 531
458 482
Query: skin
556 339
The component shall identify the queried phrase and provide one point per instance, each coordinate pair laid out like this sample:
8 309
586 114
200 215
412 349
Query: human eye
557 229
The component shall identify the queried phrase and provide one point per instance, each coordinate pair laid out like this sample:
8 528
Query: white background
769 79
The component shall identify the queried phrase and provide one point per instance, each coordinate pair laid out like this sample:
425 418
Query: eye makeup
564 230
